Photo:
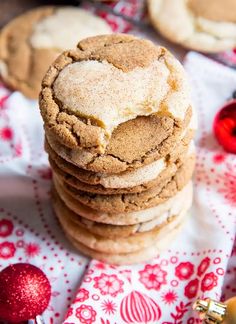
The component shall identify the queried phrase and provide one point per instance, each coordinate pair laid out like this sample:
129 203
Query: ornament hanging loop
212 312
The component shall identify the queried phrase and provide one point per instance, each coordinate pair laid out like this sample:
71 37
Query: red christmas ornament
24 292
139 308
225 126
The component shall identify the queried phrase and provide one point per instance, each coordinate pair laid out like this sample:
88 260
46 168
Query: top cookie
32 41
207 26
108 81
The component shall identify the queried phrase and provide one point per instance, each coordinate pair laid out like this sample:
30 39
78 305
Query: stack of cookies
119 126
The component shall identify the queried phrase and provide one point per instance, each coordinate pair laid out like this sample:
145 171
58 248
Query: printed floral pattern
191 288
6 227
69 312
86 314
108 284
229 184
153 277
203 266
139 308
169 297
3 100
82 295
219 158
184 270
109 307
209 282
6 134
31 249
7 250
180 310
100 265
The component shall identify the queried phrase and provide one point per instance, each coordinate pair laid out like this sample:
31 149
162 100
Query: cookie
162 173
171 206
123 244
113 93
32 41
119 203
114 231
134 181
207 26
129 258
124 179
133 144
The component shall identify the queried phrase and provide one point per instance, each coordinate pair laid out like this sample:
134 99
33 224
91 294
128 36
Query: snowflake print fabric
89 291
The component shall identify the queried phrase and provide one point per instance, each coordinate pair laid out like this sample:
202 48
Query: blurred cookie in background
206 26
30 42
9 9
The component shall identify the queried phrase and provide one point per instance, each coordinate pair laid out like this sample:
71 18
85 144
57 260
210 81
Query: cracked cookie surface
134 181
126 179
119 203
171 206
133 144
118 231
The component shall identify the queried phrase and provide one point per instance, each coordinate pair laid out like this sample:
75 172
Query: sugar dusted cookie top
109 80
30 42
207 26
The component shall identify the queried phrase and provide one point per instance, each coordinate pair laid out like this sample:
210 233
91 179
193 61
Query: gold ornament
214 312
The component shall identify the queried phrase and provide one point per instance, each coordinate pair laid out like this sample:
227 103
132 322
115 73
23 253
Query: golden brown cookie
168 171
207 26
126 179
129 258
122 244
32 41
120 203
134 181
115 98
171 206
133 144
118 231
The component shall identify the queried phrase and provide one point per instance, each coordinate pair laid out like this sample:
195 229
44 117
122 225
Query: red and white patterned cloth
160 291
134 9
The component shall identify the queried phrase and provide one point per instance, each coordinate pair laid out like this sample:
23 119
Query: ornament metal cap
212 312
